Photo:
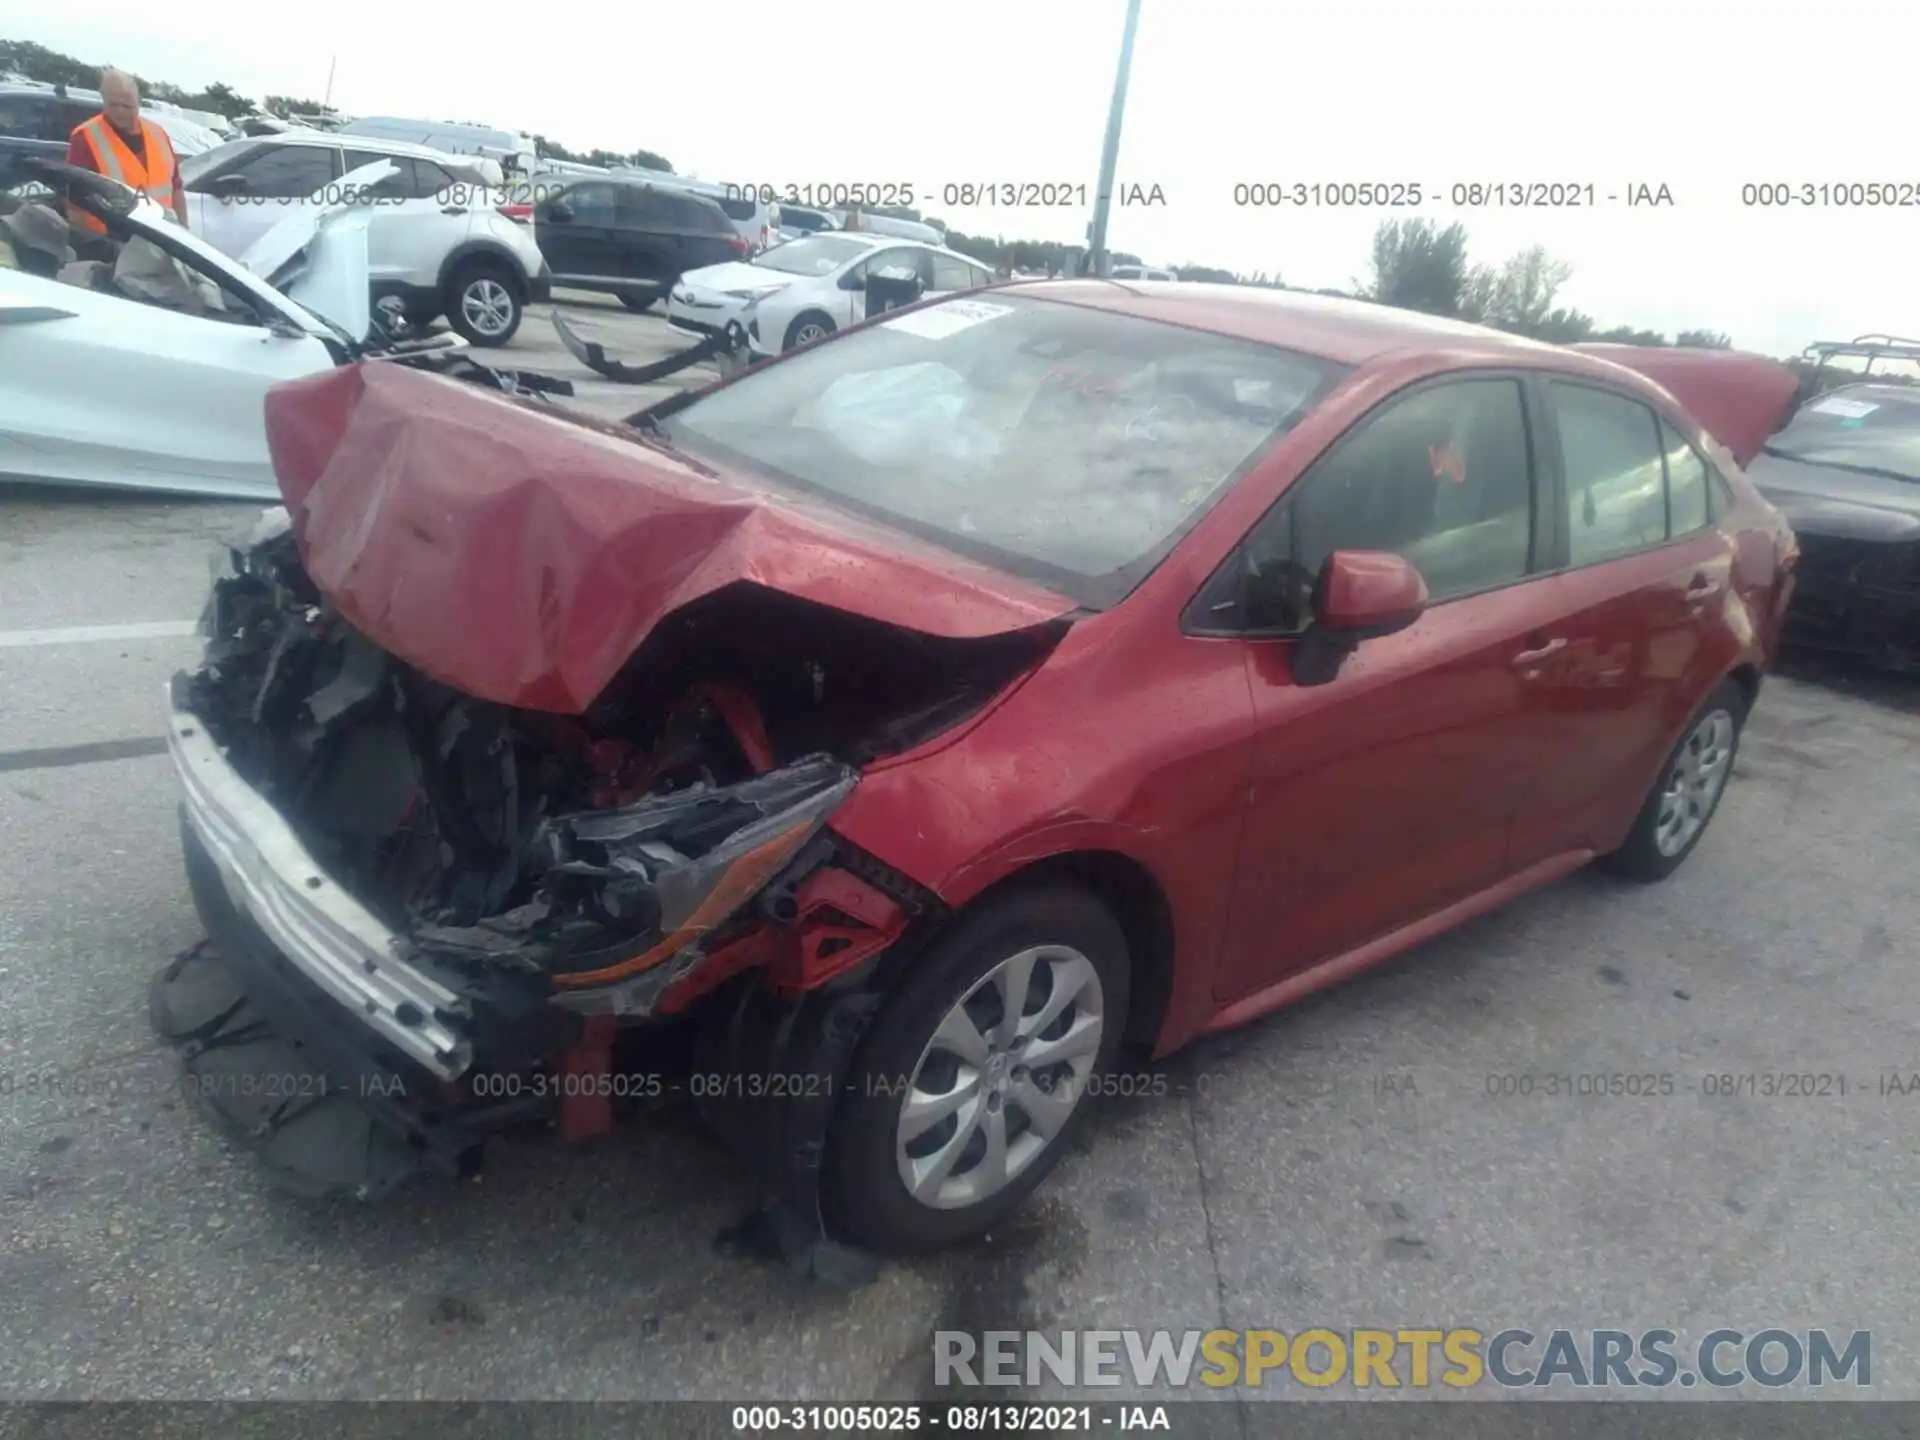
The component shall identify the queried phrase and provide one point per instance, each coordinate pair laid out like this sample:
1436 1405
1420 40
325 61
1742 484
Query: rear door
688 233
577 228
419 214
263 185
1633 629
1388 793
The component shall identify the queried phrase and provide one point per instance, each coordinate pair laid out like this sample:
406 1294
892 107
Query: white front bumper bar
332 939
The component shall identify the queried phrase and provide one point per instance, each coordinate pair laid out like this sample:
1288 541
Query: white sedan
795 293
100 388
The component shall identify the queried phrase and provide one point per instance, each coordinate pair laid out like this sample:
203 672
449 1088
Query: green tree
287 106
37 62
1704 339
1517 295
1418 267
1627 335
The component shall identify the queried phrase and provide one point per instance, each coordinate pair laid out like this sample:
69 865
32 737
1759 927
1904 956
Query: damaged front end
440 908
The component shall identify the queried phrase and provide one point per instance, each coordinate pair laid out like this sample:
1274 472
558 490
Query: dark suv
626 237
36 120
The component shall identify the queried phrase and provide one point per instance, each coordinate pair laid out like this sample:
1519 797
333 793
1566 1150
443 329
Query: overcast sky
1700 97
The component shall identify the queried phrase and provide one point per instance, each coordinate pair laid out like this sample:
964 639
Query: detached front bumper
324 933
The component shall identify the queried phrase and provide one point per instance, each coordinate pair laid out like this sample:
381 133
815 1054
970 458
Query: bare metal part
322 929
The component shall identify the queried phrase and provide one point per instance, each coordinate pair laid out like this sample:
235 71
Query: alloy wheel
1000 1078
1693 787
487 306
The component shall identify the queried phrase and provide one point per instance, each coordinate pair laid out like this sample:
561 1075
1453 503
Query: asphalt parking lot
1341 1164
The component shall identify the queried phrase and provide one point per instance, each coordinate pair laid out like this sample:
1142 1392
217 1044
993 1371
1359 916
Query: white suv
439 242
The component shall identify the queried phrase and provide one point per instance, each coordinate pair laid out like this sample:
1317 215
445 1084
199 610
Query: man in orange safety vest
120 144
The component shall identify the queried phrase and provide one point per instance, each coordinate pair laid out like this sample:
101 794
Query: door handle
453 209
1539 652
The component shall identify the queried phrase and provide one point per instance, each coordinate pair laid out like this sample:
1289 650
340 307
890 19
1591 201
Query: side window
429 180
68 116
641 207
686 212
950 273
593 204
288 172
1443 477
1687 504
901 257
397 186
1616 495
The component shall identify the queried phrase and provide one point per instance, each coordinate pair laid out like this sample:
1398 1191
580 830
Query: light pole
1110 150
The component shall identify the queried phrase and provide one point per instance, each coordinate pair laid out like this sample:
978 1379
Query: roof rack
1870 348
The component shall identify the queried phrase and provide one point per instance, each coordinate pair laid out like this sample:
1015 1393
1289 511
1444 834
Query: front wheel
977 1070
1687 792
483 303
808 328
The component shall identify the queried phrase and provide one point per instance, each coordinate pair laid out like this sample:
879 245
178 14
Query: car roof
1350 332
638 182
372 144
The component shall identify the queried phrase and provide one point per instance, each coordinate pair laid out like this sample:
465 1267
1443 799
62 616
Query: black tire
506 286
802 321
640 304
1641 857
864 1196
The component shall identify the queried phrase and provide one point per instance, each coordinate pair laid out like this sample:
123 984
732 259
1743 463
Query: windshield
192 167
1867 427
815 256
1069 446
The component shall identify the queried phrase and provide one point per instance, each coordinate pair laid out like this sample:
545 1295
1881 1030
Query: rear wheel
1687 793
977 1071
483 302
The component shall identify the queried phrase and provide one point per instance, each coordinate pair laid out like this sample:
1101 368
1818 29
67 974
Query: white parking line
82 634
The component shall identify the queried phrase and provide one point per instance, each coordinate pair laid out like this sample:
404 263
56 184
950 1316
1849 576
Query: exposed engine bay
590 848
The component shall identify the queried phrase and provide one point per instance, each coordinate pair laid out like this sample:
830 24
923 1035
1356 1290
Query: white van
513 152
891 225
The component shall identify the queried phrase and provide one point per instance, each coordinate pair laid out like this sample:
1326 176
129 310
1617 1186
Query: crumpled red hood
1740 399
522 556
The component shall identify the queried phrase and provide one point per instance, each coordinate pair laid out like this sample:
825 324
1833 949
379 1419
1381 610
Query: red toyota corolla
919 719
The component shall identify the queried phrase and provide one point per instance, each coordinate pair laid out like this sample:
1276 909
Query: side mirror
559 210
853 281
228 186
1359 595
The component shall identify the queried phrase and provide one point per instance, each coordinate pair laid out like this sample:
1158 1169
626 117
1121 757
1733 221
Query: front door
1387 793
576 230
187 390
235 206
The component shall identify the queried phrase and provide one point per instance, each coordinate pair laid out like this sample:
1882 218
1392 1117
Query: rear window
739 208
1070 446
1874 428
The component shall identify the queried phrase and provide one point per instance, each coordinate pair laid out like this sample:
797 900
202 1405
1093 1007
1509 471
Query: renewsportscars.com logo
1413 1359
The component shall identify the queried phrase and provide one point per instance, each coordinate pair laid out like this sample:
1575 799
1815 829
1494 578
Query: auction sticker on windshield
937 322
1851 409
